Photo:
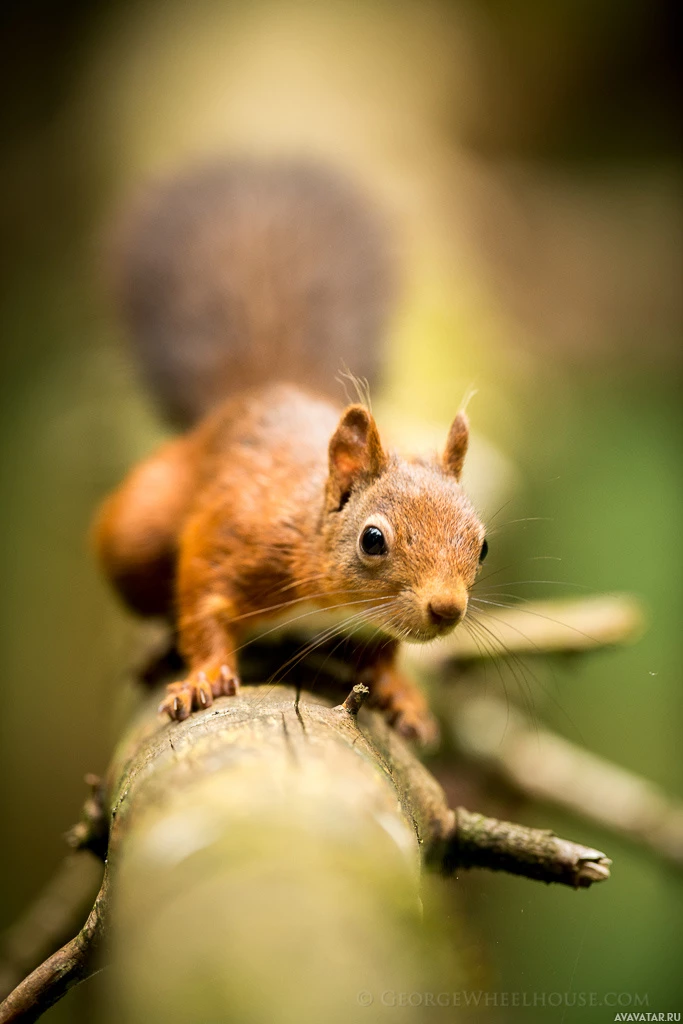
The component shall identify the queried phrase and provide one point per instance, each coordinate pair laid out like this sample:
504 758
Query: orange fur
266 501
254 519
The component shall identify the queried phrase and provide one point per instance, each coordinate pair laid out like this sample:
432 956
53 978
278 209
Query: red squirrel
246 286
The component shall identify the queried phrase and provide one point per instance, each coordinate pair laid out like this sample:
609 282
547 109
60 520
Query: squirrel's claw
202 693
178 701
197 693
193 694
226 683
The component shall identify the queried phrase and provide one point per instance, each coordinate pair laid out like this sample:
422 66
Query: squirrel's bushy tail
240 272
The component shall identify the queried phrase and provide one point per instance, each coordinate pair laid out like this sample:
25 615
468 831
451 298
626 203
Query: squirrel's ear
355 451
456 445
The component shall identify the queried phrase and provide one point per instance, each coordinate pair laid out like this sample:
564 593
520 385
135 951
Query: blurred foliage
527 152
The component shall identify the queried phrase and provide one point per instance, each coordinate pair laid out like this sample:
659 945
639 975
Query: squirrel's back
239 273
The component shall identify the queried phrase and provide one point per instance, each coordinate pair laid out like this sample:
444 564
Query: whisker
362 650
372 639
497 513
548 618
553 583
495 572
473 625
303 581
467 626
289 604
326 635
282 670
511 522
548 693
311 611
342 628
517 668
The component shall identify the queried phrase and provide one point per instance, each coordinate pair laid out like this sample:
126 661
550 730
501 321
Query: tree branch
477 841
73 963
269 822
551 770
51 920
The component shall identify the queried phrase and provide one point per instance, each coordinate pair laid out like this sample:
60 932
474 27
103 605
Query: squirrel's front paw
404 706
197 692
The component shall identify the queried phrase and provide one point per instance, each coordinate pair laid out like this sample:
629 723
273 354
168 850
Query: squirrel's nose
445 612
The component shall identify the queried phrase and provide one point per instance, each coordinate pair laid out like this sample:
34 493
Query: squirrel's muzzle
446 611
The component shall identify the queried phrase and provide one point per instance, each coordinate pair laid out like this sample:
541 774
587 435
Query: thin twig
355 699
547 768
51 919
92 831
476 841
70 965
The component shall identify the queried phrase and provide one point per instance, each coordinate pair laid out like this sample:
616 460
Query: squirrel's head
400 533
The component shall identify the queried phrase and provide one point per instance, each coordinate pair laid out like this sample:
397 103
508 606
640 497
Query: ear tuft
456 446
355 451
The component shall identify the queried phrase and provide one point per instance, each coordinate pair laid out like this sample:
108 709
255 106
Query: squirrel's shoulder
279 425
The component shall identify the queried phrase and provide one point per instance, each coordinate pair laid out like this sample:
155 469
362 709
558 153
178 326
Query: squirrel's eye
484 551
372 541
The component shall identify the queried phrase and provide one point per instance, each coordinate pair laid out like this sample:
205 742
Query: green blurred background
528 154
